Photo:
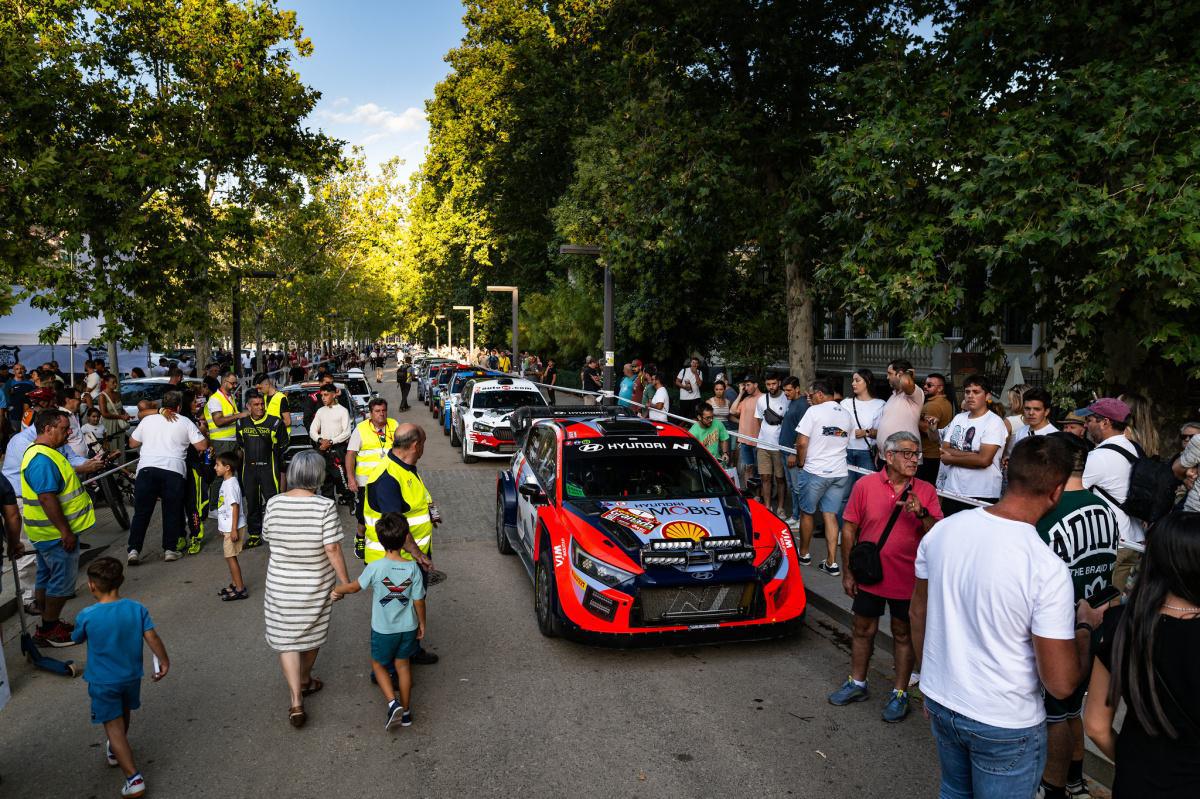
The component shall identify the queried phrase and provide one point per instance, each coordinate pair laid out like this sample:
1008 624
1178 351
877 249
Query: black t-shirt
549 375
1161 767
591 378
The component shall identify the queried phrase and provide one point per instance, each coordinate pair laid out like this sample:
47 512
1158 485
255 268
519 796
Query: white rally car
480 426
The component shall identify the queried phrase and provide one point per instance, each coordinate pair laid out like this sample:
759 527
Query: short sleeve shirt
710 437
970 435
231 494
43 475
827 427
396 584
871 503
114 634
901 412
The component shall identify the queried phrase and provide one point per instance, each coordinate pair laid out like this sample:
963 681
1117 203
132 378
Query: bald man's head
408 435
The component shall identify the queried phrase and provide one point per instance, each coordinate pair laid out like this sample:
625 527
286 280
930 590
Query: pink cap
1110 408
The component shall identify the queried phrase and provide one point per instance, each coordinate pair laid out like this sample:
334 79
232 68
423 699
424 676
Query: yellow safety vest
415 494
228 408
274 405
373 449
75 501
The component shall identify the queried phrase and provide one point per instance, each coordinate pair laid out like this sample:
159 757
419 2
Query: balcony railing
877 353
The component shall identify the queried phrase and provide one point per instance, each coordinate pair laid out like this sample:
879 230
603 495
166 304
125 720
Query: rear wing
522 419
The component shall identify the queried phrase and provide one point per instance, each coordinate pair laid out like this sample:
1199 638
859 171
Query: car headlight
767 569
480 427
597 569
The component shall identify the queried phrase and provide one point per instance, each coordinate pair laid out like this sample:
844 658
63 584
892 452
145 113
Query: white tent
79 341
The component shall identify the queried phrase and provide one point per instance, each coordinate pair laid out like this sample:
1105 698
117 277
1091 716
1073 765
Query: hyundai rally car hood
638 522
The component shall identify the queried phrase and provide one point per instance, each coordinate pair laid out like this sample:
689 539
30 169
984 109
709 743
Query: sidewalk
826 595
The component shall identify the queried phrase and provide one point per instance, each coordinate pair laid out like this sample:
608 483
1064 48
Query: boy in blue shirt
397 614
114 629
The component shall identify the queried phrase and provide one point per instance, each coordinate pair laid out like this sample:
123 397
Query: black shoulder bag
865 563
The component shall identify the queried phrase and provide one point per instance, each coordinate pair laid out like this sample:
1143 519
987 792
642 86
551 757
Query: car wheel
545 597
502 542
467 457
454 439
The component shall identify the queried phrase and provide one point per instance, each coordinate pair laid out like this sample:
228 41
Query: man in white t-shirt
1107 476
993 622
1035 410
769 410
689 381
163 439
92 379
660 403
821 440
972 447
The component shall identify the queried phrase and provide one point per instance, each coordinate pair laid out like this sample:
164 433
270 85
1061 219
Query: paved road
506 712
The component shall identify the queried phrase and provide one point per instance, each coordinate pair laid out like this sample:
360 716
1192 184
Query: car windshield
355 385
133 393
627 469
461 379
491 400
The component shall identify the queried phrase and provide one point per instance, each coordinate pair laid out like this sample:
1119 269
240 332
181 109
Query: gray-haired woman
305 535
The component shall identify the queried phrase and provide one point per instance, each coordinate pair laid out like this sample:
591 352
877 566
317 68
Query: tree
1032 155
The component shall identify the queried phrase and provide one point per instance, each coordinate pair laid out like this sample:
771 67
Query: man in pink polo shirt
874 499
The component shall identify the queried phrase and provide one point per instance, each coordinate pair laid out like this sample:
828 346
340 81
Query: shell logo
684 529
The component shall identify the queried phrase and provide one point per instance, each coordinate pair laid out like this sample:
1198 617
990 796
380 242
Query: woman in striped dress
305 535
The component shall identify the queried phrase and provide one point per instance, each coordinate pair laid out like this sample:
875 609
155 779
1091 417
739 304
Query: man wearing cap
1107 475
1075 423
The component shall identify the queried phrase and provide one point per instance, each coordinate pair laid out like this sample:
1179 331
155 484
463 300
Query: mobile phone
1102 598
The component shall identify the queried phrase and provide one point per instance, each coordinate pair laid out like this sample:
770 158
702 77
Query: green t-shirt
710 437
1083 531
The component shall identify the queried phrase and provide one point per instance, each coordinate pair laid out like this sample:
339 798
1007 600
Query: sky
375 63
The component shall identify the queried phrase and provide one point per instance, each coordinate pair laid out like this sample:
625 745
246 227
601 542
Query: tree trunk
203 352
801 343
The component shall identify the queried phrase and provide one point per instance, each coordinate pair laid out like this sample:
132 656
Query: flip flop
296 716
314 685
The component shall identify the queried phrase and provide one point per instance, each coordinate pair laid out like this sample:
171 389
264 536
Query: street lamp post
437 332
609 376
470 309
516 353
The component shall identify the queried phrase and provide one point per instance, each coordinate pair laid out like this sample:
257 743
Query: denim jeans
862 459
794 485
986 762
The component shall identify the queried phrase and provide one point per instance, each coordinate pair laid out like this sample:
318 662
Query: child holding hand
397 615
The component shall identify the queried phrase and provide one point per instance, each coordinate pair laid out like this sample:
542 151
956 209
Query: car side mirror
534 493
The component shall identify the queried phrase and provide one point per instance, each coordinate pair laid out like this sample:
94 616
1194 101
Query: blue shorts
389 647
824 494
110 700
56 568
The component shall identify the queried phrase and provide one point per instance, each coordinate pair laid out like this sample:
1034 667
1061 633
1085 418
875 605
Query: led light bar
664 560
744 555
672 544
721 543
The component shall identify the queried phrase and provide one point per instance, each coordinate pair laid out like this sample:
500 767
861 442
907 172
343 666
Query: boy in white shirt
972 447
231 522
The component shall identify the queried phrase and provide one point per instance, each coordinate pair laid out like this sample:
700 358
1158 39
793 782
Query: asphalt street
506 712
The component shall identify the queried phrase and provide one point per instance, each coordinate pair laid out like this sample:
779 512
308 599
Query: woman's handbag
865 562
858 425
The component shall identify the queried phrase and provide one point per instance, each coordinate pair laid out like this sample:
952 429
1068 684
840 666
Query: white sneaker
171 555
134 786
132 558
792 523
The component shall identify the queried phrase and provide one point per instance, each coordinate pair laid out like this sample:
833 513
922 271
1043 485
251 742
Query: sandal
233 596
296 716
227 590
314 685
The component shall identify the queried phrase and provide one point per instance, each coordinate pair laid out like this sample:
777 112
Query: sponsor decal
681 529
589 447
11 356
579 581
624 446
684 446
785 538
559 557
702 575
659 509
640 521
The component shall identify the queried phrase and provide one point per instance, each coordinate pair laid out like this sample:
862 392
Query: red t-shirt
870 506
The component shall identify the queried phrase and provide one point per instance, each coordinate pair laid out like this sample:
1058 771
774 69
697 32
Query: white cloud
375 117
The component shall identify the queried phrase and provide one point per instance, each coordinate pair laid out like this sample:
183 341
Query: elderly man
893 509
17 445
163 438
56 510
397 488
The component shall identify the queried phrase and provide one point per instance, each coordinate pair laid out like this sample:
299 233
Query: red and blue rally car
632 532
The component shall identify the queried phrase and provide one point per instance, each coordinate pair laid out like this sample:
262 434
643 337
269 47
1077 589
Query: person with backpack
1139 489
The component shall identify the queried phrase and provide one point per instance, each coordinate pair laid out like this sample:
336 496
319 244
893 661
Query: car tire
502 542
454 438
545 596
466 456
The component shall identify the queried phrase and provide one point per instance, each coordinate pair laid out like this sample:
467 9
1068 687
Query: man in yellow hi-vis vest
395 487
56 510
369 444
274 401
